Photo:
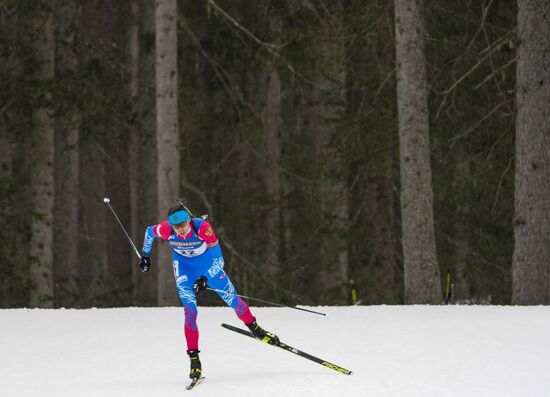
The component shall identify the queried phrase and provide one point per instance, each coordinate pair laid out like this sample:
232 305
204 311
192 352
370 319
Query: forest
345 151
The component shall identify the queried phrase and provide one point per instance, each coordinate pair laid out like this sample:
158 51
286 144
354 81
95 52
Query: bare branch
485 117
489 52
493 210
495 72
269 47
220 72
6 106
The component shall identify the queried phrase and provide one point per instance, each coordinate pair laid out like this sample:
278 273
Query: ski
195 382
291 349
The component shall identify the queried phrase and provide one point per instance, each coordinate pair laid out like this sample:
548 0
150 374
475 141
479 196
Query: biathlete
198 262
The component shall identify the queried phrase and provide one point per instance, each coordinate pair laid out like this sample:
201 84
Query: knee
187 296
190 315
229 294
240 306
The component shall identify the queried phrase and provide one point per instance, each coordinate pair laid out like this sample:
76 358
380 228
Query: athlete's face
181 228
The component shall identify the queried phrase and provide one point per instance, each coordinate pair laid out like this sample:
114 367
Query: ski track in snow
412 351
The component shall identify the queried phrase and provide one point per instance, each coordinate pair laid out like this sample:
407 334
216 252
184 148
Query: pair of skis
283 346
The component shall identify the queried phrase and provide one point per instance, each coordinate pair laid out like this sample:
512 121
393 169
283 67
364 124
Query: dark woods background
288 140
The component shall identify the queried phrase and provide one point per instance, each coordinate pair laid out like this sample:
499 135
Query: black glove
200 284
145 264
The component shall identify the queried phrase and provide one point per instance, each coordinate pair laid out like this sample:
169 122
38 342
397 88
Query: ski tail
293 350
195 382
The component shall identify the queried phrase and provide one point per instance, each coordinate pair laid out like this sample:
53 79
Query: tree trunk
6 175
147 165
115 147
42 173
259 158
92 222
461 288
328 97
531 259
270 111
379 276
6 95
132 63
66 167
422 281
5 154
14 160
168 166
385 284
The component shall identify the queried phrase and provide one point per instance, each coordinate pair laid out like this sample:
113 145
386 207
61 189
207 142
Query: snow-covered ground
393 350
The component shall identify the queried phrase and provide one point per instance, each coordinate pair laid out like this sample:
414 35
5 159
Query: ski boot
262 334
196 367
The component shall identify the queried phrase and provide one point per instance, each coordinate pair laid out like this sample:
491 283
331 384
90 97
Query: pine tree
41 156
168 150
422 281
531 262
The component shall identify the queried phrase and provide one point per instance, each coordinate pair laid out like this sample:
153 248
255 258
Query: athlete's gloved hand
200 284
145 264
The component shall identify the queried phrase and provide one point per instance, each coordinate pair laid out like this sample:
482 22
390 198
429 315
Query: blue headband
178 217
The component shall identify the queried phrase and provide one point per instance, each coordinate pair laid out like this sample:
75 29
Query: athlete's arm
206 233
161 230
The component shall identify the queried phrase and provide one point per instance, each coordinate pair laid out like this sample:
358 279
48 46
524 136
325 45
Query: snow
393 350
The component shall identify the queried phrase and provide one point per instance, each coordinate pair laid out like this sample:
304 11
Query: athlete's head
179 218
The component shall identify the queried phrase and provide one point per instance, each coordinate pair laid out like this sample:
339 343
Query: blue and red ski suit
196 254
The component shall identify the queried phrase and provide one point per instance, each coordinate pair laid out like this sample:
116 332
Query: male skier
198 262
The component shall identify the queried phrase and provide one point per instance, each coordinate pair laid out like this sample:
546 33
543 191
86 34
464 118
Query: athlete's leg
218 280
190 328
189 302
228 293
221 282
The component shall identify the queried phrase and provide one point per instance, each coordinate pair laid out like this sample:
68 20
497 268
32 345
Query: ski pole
259 300
107 201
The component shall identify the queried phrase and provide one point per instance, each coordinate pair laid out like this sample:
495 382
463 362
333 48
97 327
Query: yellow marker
353 292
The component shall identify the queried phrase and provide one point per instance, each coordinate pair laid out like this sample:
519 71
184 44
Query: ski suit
196 254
